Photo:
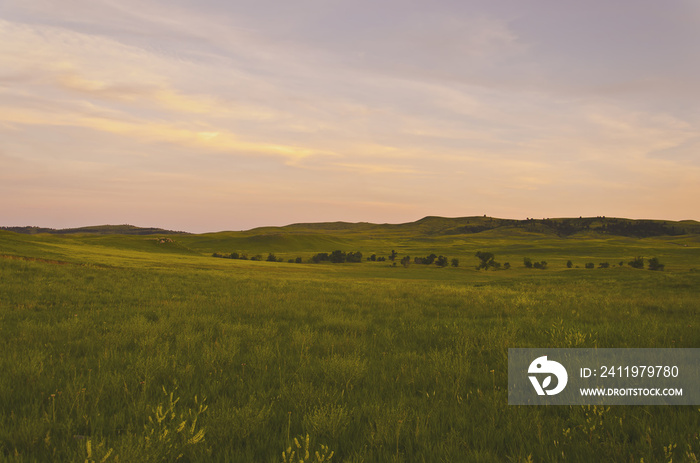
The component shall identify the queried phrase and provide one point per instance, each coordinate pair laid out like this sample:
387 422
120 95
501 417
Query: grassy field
138 349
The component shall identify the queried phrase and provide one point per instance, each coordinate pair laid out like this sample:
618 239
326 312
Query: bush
590 265
271 258
604 265
441 261
540 265
320 257
455 262
506 266
654 264
638 262
297 260
527 262
487 260
569 264
337 257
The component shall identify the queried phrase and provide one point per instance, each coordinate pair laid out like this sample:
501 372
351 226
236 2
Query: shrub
271 258
654 264
527 262
441 261
320 257
638 262
540 265
590 265
455 262
604 265
337 257
506 266
569 264
487 260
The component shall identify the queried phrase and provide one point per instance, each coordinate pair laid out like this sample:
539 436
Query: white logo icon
542 365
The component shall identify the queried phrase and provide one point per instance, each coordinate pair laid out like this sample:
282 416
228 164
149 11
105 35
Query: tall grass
374 363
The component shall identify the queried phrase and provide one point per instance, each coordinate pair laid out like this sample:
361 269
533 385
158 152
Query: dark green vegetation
378 362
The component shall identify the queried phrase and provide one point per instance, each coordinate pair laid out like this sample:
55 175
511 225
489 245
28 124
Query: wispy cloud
515 107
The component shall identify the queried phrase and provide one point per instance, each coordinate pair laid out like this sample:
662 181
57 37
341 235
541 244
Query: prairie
134 348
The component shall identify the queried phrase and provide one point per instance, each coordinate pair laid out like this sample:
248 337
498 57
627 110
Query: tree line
487 260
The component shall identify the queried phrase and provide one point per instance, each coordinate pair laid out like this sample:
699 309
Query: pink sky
205 116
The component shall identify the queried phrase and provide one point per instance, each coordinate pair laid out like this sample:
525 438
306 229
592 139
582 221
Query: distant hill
96 230
426 227
563 227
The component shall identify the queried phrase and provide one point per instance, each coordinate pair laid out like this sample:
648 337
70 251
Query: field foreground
141 348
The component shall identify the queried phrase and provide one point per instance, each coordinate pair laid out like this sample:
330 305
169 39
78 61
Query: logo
550 367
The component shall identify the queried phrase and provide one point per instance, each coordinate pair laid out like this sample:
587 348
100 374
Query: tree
441 261
320 257
353 257
393 255
271 258
406 261
373 257
528 262
487 260
506 266
569 264
297 260
455 262
638 262
337 257
654 264
590 265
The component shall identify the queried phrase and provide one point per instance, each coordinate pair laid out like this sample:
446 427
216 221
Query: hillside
426 227
441 226
97 230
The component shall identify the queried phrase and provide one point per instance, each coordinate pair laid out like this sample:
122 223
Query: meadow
135 349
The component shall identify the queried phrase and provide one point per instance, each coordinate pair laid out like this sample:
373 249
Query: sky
214 115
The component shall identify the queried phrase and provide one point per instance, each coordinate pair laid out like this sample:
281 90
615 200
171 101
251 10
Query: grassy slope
380 363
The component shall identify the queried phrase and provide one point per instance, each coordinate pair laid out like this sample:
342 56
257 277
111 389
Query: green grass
378 363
